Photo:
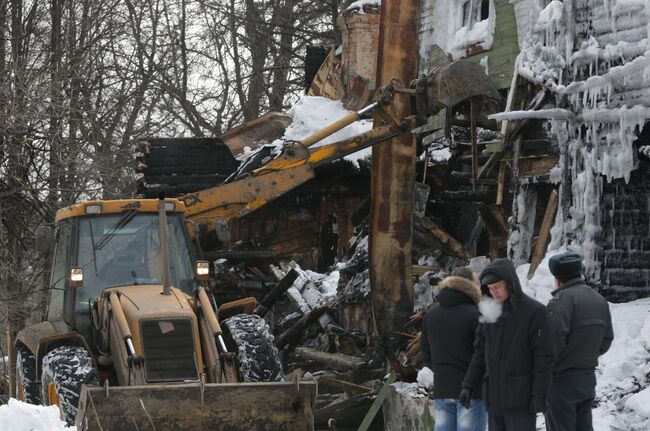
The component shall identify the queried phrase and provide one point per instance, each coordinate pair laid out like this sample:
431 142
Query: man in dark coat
581 327
446 344
513 355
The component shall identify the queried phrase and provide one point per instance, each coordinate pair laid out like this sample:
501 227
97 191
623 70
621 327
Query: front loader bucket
450 84
229 406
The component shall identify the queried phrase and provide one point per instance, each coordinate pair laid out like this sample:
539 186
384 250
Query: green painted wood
376 405
505 46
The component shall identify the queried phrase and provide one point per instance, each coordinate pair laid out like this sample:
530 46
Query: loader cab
116 243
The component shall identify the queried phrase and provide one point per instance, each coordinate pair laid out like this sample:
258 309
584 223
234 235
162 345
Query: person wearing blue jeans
451 416
447 346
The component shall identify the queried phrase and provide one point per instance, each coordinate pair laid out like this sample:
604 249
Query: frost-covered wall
595 57
483 31
457 26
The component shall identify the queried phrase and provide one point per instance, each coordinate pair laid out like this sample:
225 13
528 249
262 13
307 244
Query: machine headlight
202 270
76 277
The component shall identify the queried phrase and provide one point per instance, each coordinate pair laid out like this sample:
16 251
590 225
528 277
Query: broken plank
544 230
277 292
336 361
293 333
501 180
448 244
376 405
420 269
495 221
343 385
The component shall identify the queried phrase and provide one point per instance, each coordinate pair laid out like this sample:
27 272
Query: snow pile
326 283
425 378
19 416
440 155
410 390
313 113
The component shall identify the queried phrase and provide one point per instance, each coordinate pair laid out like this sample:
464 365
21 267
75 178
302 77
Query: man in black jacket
513 355
446 344
582 330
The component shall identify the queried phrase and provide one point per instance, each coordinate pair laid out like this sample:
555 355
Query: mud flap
229 406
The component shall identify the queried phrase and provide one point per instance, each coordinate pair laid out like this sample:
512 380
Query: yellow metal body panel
117 206
147 302
242 197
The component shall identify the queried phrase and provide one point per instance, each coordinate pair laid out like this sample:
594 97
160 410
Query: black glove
538 404
464 397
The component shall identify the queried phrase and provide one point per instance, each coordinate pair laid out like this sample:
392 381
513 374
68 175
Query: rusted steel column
393 176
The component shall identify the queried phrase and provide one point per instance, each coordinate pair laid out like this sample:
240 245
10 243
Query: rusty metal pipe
120 319
211 317
393 179
337 125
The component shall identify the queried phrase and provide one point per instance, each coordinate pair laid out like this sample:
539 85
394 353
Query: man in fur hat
447 346
581 330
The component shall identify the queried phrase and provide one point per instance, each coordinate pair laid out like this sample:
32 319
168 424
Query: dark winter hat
490 278
566 265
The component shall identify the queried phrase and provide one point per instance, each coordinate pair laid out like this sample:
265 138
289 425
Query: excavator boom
446 86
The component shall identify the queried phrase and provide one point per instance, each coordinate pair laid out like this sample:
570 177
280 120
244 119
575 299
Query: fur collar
462 285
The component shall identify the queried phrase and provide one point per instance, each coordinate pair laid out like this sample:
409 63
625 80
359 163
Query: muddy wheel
65 370
26 386
249 336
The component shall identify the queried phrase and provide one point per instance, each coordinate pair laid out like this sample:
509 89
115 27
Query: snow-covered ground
19 416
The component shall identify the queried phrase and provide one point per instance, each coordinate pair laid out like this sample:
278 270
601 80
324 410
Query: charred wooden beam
495 221
544 231
427 232
336 361
498 228
293 334
277 292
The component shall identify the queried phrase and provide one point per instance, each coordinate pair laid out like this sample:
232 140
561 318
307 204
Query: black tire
26 385
249 336
66 369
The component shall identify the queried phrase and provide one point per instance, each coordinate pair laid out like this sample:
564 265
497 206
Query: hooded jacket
513 356
447 339
581 327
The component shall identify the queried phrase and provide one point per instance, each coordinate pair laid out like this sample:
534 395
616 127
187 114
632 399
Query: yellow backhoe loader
133 340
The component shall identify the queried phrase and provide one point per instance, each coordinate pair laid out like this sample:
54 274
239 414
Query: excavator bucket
450 84
192 406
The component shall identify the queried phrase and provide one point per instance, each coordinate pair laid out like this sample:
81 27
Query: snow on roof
313 113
